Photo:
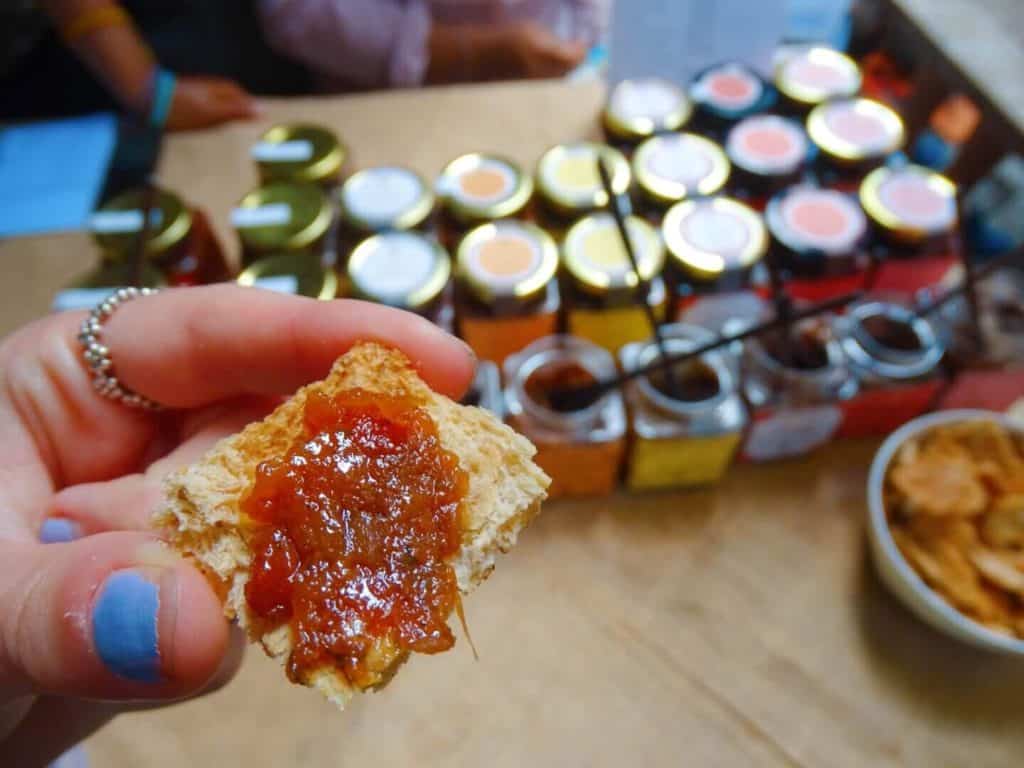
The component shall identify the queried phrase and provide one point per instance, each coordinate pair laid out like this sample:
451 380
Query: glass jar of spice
475 189
383 198
726 93
600 290
806 76
181 242
852 136
282 218
568 183
768 153
506 292
581 450
638 109
673 167
300 273
687 434
298 152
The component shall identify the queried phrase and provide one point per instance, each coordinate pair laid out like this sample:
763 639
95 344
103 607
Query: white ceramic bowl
896 572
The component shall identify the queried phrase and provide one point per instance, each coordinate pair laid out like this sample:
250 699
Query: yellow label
680 463
612 328
578 172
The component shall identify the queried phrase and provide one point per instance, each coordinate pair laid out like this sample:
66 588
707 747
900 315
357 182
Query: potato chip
929 530
998 570
941 481
1004 526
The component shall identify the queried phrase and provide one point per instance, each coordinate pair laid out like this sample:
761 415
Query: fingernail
124 624
56 530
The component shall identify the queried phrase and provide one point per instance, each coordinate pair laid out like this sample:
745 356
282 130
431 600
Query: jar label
380 195
680 159
681 463
400 264
269 215
278 284
121 222
792 432
295 151
638 99
80 298
725 312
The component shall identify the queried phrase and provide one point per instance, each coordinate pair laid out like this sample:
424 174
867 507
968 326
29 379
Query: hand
202 102
104 618
529 50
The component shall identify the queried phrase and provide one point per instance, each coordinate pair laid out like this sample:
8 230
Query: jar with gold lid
808 75
568 183
684 432
299 152
581 450
768 153
407 270
852 136
477 188
95 286
283 217
506 293
675 166
912 208
383 198
640 108
600 289
726 93
181 242
485 391
300 273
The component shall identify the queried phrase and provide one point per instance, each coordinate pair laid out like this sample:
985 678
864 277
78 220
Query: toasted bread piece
201 513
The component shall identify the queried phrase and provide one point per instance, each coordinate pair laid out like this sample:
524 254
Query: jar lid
311 277
642 107
890 341
402 269
567 176
299 152
479 187
767 145
115 226
507 259
853 130
730 90
809 219
594 255
709 238
386 197
284 216
911 203
812 74
675 166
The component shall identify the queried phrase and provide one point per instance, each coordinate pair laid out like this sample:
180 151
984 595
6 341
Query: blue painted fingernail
56 530
124 626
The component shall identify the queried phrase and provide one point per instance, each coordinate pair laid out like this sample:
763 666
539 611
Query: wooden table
734 627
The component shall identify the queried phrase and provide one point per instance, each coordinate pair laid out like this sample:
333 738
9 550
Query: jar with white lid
640 108
677 166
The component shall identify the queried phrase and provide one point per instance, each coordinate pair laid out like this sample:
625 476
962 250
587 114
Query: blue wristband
163 95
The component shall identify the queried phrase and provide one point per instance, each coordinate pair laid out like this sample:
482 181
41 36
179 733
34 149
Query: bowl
896 573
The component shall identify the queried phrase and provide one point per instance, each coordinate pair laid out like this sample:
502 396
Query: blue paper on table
51 173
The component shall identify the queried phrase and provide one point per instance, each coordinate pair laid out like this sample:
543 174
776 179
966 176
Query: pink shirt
379 43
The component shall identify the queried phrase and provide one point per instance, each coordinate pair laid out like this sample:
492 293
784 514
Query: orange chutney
353 532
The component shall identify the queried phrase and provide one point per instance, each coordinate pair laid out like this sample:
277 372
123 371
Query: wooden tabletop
730 627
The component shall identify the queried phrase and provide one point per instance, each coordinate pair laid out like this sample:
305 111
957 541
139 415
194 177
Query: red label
884 409
994 390
907 276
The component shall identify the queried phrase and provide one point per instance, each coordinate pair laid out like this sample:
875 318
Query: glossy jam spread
692 382
554 376
353 531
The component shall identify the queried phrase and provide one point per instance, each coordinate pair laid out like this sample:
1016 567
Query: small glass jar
582 451
768 153
297 152
806 76
299 273
485 391
714 245
896 357
282 218
380 199
686 436
506 293
853 136
638 109
726 93
407 270
912 208
568 183
95 286
794 382
600 287
181 244
475 189
673 167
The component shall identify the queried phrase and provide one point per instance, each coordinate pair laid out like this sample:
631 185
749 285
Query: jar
380 199
806 76
912 208
768 153
181 244
714 245
407 270
582 450
794 381
896 357
640 108
687 436
506 294
485 391
600 290
726 93
297 152
282 218
476 189
852 137
300 273
568 183
676 166
95 286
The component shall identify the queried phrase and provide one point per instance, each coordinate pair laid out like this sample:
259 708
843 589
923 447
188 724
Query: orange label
495 338
612 328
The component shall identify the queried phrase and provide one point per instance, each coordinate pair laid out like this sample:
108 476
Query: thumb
114 616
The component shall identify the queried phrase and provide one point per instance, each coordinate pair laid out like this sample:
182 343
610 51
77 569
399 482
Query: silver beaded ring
97 355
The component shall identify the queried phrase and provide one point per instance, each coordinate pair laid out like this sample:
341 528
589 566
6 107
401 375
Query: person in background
360 44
